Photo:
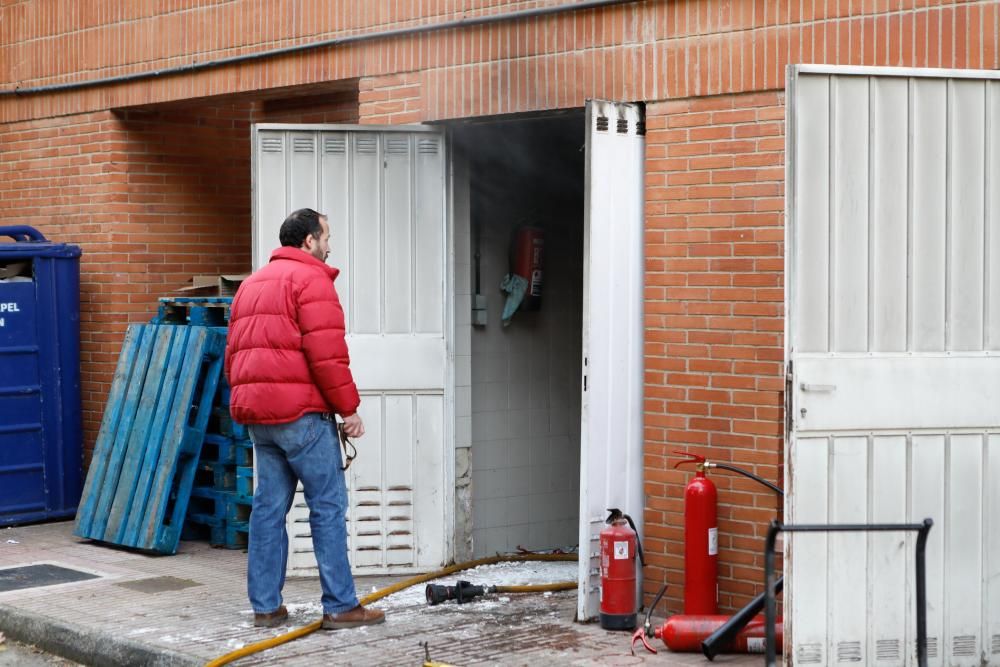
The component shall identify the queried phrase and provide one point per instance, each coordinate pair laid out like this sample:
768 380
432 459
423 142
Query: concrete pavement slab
189 608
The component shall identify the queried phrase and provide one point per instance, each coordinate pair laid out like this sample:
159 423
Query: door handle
818 388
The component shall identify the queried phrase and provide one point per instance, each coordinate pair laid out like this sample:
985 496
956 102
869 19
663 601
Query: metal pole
922 593
770 604
719 640
770 613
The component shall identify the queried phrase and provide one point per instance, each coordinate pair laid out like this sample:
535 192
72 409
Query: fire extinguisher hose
746 473
402 585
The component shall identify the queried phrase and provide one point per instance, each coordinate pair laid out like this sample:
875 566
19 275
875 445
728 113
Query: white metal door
384 190
611 429
893 334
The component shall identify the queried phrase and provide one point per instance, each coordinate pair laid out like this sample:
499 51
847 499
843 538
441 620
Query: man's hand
353 426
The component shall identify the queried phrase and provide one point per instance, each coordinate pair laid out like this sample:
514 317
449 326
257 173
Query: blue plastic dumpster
40 430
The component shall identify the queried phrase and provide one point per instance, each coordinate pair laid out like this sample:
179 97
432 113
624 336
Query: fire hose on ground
406 583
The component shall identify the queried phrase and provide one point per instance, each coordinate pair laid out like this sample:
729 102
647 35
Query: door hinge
789 391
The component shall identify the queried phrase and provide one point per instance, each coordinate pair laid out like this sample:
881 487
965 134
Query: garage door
893 281
384 192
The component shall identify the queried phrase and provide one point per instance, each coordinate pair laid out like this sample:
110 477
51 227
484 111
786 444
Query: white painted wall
526 400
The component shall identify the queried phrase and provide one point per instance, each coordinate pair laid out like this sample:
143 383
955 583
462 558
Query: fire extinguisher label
621 550
713 541
755 645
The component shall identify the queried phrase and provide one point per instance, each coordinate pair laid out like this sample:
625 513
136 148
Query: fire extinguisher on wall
701 541
529 249
619 547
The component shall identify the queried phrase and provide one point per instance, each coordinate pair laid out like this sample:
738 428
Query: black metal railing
922 529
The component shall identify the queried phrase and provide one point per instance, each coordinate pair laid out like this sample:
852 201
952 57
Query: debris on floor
497 574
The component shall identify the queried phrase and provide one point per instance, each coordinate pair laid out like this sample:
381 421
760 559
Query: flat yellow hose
538 588
402 585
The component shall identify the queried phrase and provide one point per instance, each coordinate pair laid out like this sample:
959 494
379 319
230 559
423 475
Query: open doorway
526 374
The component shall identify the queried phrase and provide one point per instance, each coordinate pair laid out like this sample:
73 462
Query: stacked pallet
222 494
139 481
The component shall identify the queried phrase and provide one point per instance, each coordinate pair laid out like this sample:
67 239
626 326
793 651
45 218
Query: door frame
588 538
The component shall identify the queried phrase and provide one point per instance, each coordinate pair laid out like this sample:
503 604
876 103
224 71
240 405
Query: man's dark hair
298 225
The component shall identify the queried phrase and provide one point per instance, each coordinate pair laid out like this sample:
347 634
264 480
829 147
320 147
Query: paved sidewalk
13 654
189 608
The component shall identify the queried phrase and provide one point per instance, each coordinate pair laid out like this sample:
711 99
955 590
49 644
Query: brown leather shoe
354 618
273 619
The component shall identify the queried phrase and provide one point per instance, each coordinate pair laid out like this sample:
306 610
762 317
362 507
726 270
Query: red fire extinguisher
619 547
686 633
701 541
745 632
529 247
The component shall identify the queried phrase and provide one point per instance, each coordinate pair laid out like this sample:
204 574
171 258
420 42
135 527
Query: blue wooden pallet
219 476
244 481
225 477
219 533
139 482
206 311
219 504
223 449
222 423
224 393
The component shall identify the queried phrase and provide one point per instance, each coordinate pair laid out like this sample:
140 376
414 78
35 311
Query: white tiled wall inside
526 399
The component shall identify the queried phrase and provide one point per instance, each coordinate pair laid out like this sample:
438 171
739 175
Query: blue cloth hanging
515 286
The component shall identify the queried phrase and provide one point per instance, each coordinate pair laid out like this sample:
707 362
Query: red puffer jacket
286 355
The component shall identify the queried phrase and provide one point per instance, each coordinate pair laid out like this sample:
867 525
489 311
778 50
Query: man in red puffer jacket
288 367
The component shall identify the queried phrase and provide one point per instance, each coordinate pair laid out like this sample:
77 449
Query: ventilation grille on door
397 146
427 146
848 651
932 647
301 535
995 645
303 145
602 123
335 145
400 525
382 529
366 527
809 654
622 126
270 144
366 145
963 645
887 649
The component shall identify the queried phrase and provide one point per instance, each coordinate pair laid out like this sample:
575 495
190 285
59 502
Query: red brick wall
65 177
650 50
393 99
714 323
141 193
153 196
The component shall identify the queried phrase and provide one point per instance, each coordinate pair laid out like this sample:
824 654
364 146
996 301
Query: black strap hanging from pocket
345 442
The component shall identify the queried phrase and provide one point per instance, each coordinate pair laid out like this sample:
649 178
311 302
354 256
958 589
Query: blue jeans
306 449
